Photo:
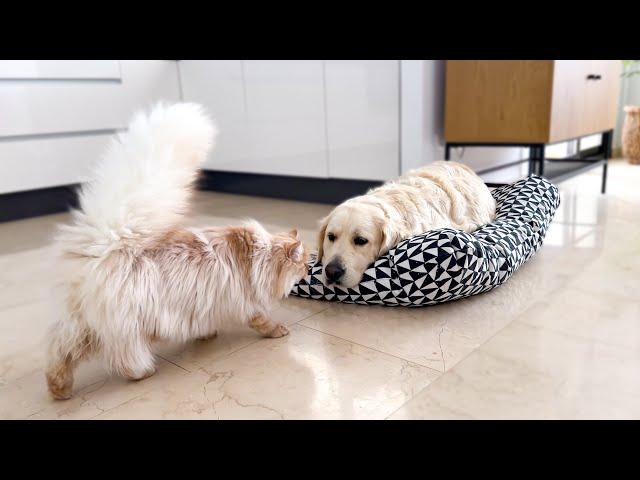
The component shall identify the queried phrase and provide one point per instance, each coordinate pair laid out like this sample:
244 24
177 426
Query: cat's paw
279 331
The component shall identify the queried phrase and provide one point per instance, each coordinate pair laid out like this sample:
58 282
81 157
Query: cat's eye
331 237
360 241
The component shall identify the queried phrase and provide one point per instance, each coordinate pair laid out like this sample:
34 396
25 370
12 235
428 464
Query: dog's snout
333 271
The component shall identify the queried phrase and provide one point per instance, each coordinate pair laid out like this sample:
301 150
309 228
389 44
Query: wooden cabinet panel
584 105
602 94
498 100
529 101
569 100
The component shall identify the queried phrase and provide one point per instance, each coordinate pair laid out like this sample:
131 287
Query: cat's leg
268 327
210 336
129 355
69 343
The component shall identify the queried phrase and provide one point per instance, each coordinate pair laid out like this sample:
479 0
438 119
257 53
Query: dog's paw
279 331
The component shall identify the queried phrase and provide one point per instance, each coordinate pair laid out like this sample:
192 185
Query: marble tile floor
560 340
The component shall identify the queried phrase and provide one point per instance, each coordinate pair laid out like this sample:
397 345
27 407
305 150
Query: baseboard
305 189
33 203
45 201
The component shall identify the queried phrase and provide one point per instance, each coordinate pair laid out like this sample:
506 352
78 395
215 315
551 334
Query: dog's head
351 237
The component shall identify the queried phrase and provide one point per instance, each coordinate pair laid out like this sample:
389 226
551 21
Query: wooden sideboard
532 103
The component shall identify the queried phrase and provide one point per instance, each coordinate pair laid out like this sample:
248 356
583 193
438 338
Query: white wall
56 117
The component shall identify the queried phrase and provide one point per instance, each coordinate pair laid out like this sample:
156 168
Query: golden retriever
441 194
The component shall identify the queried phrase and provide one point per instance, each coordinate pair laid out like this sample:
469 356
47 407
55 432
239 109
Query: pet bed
446 264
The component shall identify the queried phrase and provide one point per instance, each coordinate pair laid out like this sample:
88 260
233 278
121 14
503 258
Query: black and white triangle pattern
445 264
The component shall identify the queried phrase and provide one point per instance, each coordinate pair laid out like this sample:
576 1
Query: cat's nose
333 271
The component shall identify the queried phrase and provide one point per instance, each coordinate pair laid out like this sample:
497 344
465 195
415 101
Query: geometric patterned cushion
446 264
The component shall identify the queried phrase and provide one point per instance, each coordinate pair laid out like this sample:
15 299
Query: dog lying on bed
442 194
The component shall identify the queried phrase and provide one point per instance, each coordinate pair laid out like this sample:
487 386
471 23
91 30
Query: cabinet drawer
64 106
60 69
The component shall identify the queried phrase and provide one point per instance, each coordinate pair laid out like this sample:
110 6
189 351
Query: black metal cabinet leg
536 159
447 151
541 160
607 148
532 156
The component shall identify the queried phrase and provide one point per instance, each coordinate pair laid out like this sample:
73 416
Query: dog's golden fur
130 274
442 194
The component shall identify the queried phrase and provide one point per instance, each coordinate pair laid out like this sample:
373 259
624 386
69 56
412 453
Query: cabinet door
285 129
582 105
363 122
602 94
219 86
569 108
270 114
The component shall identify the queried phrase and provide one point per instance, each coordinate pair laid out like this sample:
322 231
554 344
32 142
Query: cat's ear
294 233
295 251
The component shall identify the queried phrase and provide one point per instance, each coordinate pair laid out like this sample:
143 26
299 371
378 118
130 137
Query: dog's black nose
333 271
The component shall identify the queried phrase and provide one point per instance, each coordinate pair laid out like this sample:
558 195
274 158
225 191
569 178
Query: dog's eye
331 237
360 241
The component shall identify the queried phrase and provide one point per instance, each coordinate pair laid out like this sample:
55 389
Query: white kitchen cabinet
56 107
311 118
285 117
270 114
60 69
55 120
43 162
363 126
219 86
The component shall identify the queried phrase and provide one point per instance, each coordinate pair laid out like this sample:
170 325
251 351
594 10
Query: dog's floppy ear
389 238
321 234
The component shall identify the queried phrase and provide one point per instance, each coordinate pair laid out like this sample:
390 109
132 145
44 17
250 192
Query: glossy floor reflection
561 339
